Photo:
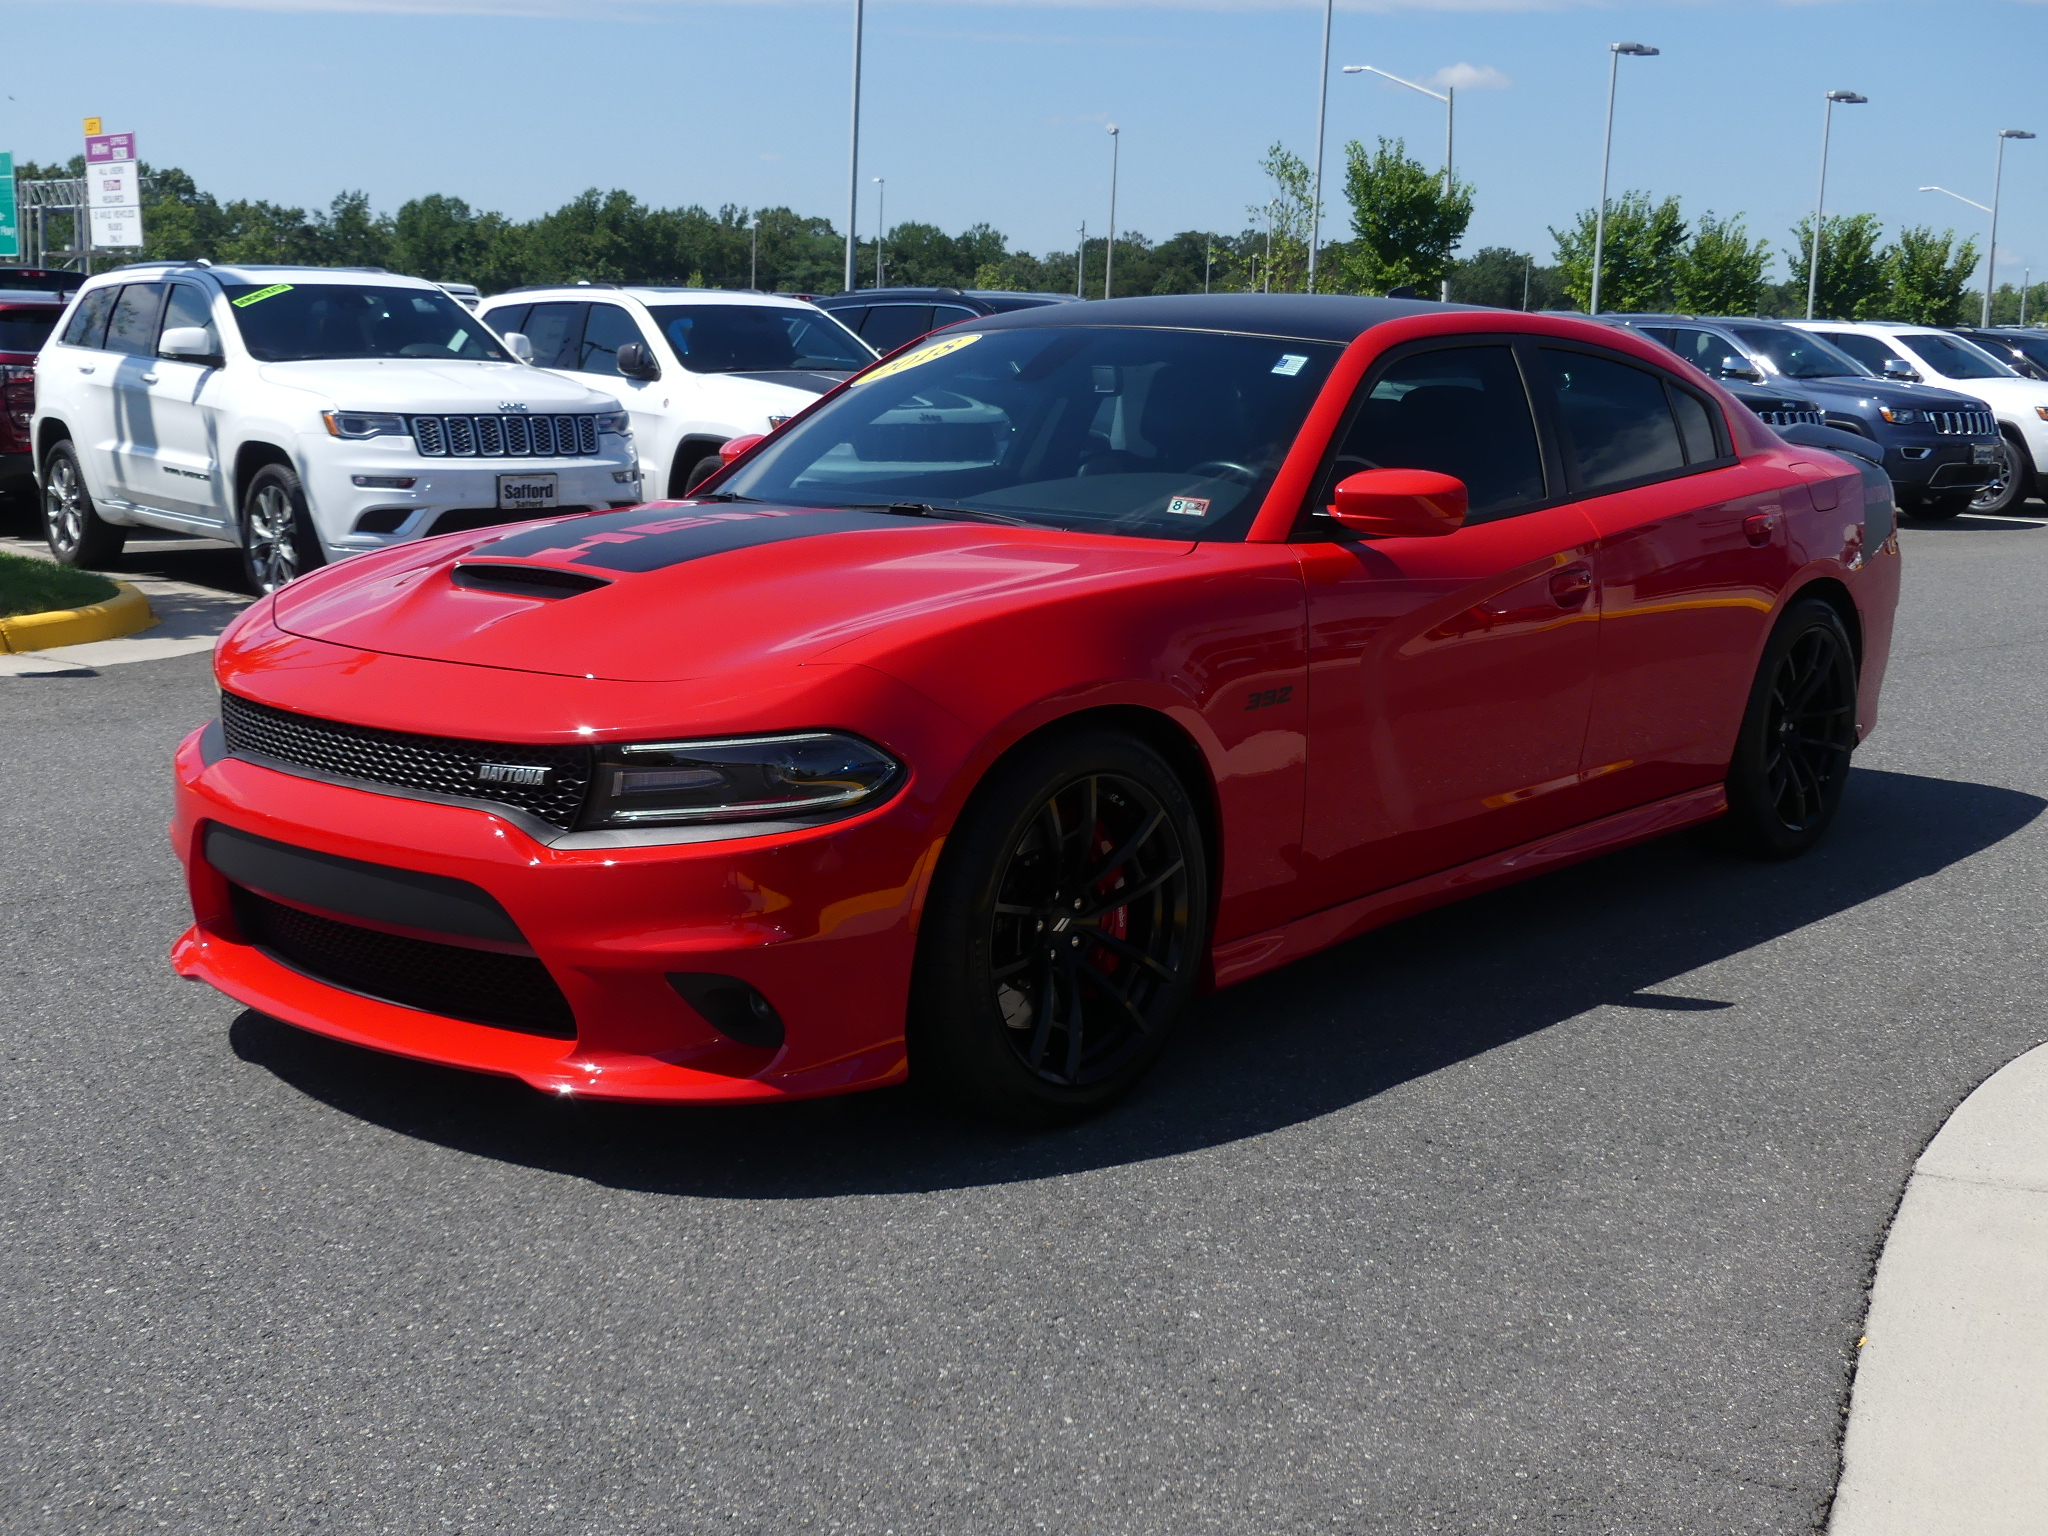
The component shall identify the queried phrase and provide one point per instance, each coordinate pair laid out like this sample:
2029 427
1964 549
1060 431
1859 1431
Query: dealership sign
113 188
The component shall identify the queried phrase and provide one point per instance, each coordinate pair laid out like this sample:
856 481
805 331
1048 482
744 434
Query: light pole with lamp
1827 122
1997 180
1449 97
1981 208
881 223
1315 213
853 149
1614 52
1109 251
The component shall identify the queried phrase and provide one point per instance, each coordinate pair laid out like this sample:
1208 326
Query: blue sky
992 111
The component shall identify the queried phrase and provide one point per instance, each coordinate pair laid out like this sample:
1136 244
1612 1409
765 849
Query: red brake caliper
1116 923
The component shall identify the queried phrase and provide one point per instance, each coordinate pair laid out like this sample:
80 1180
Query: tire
1791 760
278 541
1939 509
1005 1021
2006 492
72 526
703 470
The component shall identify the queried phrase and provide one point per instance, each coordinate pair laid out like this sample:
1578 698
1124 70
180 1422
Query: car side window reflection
556 331
132 328
88 327
190 306
608 329
1461 411
891 325
1618 425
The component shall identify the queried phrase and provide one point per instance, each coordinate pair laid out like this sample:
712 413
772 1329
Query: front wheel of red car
1063 934
1791 762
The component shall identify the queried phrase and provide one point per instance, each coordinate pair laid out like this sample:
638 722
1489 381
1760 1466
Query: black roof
1299 316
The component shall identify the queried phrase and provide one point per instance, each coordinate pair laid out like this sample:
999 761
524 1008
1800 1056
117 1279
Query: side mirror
1400 503
521 347
635 363
1733 367
732 448
1899 368
191 344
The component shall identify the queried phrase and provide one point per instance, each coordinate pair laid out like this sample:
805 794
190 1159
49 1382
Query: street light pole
853 148
754 255
1209 266
1315 214
1614 51
1081 260
1997 180
1827 120
881 223
1449 97
1109 251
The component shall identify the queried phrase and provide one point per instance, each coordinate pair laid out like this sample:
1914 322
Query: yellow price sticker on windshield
261 293
918 358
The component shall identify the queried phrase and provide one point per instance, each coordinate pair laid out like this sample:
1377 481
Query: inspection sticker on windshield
923 355
1290 364
1188 506
262 293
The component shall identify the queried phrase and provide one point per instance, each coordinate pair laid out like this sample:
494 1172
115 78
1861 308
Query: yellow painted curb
122 614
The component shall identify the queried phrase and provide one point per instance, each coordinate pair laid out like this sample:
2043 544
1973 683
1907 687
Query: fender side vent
525 580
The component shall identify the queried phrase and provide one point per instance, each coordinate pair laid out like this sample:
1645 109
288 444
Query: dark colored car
2025 351
1940 448
885 318
27 316
39 280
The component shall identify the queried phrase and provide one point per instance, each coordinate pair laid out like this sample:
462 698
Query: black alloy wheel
2007 487
76 533
1064 933
1791 762
703 470
278 541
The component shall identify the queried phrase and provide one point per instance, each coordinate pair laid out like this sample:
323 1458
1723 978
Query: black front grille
1778 418
505 437
479 986
441 765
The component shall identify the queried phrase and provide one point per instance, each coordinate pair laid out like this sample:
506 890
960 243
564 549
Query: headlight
360 424
618 423
1898 416
741 778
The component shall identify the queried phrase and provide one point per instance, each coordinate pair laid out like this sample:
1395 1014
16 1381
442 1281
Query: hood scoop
508 580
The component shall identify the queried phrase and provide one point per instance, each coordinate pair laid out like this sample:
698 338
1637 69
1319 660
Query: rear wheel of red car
1791 762
76 533
1063 933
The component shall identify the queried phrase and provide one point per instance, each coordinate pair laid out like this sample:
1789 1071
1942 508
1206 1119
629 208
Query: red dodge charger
1049 672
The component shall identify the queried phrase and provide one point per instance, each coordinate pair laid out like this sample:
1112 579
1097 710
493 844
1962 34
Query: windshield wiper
927 509
718 496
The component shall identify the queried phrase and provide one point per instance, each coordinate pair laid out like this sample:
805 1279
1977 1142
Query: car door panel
182 467
130 371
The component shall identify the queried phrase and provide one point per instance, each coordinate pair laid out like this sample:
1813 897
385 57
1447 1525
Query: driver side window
1461 411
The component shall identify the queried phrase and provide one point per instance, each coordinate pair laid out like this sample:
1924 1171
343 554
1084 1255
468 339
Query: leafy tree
179 222
351 235
1926 275
1494 276
1851 268
2005 304
1405 221
1720 271
1287 214
1640 258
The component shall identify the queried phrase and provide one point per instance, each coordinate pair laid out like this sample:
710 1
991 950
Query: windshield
25 330
2031 346
758 338
1954 358
1162 434
294 322
1800 354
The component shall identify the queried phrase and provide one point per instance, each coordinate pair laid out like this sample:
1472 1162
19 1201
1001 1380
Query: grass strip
39 586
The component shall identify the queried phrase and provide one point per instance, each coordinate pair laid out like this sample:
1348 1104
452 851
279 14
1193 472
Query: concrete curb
122 614
1949 1419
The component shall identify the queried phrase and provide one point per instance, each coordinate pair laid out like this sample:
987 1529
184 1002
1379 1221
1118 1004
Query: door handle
85 368
1571 586
149 378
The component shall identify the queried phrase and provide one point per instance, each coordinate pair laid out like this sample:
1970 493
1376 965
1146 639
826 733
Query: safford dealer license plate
516 492
1984 453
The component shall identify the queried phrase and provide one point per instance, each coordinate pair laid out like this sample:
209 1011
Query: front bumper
819 921
1936 463
329 469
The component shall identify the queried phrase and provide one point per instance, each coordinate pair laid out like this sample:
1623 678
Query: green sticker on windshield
261 293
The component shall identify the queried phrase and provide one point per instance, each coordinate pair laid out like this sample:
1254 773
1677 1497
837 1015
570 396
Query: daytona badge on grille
510 773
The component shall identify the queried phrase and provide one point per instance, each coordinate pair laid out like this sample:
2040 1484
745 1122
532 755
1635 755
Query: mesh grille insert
510 436
506 991
442 765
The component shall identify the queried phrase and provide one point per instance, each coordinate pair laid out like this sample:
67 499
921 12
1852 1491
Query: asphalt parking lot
1553 1211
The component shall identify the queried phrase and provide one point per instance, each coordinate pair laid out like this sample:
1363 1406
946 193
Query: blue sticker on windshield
1290 364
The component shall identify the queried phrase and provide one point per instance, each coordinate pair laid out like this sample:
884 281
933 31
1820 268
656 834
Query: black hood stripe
643 539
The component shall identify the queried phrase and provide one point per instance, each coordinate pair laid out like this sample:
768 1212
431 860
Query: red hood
664 593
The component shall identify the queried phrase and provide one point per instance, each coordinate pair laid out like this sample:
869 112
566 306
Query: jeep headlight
618 423
739 778
1899 416
360 424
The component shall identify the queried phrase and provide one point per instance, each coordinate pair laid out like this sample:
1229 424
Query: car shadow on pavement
1315 1037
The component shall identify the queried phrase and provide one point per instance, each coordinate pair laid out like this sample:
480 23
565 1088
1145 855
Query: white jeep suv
1923 354
304 413
696 367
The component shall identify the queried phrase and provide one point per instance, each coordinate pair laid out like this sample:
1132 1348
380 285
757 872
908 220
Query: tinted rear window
25 330
1618 423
